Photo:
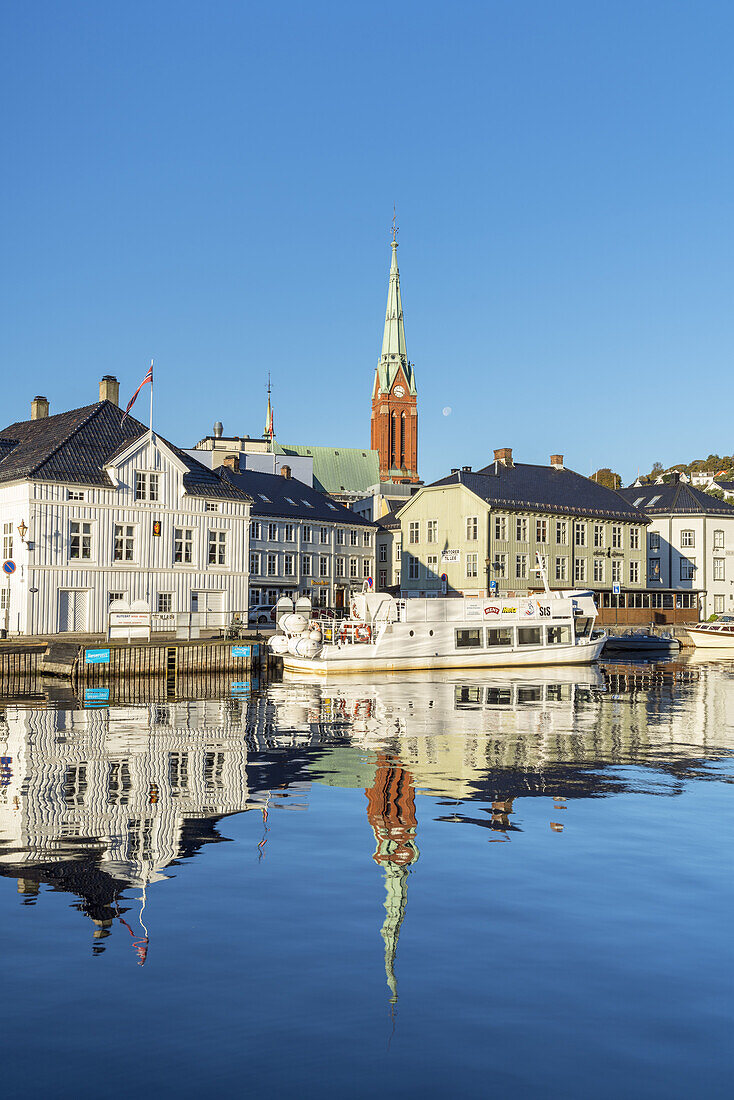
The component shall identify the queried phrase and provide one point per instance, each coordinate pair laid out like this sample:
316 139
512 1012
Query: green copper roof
338 469
394 353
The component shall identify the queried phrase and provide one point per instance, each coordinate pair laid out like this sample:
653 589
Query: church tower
394 396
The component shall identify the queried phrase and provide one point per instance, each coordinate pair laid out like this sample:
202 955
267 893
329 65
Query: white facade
86 545
693 551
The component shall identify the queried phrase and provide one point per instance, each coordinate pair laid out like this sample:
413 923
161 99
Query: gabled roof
677 497
544 489
338 469
727 486
74 447
390 521
275 495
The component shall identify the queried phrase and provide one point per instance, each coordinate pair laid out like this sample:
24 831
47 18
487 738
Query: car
263 614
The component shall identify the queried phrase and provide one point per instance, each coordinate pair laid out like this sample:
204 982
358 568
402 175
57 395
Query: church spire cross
394 226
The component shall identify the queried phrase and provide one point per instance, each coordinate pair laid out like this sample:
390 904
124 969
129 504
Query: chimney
109 389
676 477
454 469
466 469
285 471
39 408
557 462
504 456
232 462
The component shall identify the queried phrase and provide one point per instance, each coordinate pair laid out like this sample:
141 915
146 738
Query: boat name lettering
544 610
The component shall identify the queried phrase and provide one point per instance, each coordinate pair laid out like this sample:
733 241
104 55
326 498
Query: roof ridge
94 409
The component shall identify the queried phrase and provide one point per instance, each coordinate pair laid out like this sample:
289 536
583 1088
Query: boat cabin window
499 696
528 635
469 639
529 693
583 627
499 635
558 635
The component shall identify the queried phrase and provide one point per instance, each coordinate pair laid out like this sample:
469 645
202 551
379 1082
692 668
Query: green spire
394 354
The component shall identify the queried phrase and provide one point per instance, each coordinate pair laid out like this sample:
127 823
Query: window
289 565
353 573
354 538
634 538
217 547
652 501
616 570
541 530
165 603
471 565
432 530
521 566
7 540
383 551
340 536
561 532
366 570
4 599
211 506
413 569
719 569
272 566
383 578
112 596
521 529
469 639
254 564
688 538
500 528
323 565
617 540
528 635
183 545
272 532
561 569
579 569
654 540
80 540
74 494
398 551
558 635
306 565
413 532
472 528
718 605
289 532
307 532
718 540
499 635
653 569
598 536
340 564
687 568
146 486
634 572
306 502
599 570
324 535
500 565
579 534
254 530
123 548
367 538
636 503
432 566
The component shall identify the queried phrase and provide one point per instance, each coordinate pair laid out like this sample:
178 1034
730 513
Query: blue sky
212 184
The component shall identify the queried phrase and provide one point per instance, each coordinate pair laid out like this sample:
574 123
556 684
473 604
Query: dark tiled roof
727 485
676 497
390 521
74 447
545 489
278 489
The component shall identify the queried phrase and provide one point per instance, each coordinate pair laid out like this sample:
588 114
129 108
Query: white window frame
147 486
184 536
81 535
472 528
127 534
217 547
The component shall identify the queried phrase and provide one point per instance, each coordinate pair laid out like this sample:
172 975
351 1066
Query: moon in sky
447 411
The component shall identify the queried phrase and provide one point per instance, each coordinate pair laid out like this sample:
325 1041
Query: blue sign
369 582
240 686
240 650
493 586
97 695
97 656
616 588
9 567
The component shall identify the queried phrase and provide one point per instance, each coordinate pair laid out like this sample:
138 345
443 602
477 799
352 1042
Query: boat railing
345 632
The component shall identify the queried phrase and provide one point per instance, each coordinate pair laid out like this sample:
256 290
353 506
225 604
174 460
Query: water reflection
103 803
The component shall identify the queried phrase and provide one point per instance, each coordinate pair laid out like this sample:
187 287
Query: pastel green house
482 531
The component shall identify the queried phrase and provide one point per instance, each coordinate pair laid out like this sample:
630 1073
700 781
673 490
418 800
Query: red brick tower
394 396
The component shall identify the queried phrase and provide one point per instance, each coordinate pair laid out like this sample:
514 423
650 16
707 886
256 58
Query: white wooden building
94 508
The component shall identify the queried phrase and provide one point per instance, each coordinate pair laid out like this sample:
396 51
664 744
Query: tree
607 477
657 469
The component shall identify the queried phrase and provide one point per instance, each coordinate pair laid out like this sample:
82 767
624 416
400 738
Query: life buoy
362 634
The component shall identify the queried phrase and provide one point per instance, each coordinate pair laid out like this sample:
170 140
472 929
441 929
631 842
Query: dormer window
146 485
211 506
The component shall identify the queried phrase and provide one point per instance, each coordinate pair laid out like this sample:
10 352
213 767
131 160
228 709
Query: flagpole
151 397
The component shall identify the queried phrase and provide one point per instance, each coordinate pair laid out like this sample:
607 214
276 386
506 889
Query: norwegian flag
131 402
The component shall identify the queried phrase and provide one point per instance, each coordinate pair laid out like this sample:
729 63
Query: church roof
394 354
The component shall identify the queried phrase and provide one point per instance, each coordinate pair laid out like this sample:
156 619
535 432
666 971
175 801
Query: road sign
493 586
616 588
9 567
369 582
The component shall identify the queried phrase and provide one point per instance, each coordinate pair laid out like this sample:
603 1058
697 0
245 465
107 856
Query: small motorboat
718 634
642 643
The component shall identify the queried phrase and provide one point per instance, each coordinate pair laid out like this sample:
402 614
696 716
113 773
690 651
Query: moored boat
716 635
642 644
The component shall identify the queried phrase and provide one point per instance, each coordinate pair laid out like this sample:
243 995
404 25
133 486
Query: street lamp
22 531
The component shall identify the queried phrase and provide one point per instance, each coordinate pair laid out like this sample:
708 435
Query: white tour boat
716 635
388 635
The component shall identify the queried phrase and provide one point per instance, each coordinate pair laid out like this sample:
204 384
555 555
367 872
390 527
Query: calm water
463 886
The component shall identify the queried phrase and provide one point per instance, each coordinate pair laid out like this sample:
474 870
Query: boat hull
368 659
707 639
